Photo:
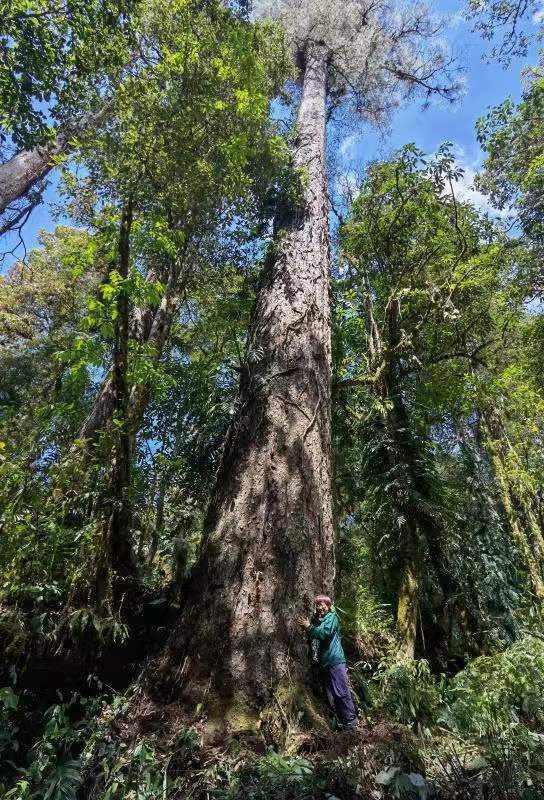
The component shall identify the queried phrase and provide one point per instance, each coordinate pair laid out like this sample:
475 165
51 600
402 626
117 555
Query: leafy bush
279 777
408 691
144 769
403 784
497 691
274 776
56 768
9 702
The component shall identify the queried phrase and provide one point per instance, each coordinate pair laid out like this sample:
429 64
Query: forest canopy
271 430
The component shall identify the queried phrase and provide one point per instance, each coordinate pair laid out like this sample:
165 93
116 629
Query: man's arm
325 628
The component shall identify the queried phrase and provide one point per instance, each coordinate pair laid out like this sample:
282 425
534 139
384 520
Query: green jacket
327 632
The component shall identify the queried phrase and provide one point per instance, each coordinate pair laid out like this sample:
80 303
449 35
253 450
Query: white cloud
538 16
348 186
464 190
348 145
464 187
458 19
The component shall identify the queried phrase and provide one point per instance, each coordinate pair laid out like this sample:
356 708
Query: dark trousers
339 694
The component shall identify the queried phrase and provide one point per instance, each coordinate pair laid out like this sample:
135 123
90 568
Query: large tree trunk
268 543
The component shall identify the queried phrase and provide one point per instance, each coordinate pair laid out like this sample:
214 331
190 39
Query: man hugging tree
327 650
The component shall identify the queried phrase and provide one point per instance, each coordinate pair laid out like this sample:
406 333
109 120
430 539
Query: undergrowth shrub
494 710
148 768
500 690
498 701
408 691
9 743
54 771
278 777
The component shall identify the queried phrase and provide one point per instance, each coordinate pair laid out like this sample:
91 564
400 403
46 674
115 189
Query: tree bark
268 541
26 169
408 609
100 413
396 454
158 522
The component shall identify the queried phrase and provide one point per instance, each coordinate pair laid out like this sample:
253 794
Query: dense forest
231 382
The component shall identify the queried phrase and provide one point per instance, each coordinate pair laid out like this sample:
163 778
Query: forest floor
380 759
420 735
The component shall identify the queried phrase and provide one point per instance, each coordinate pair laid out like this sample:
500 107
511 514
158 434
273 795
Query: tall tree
420 265
195 178
269 542
115 560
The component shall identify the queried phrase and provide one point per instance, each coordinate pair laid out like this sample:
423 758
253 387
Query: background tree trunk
26 169
492 435
268 544
408 608
117 559
151 328
421 532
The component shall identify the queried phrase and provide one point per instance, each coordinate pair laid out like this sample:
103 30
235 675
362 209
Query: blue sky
486 84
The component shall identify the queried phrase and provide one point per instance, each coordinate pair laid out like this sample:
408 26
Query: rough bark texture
100 413
268 545
408 609
26 169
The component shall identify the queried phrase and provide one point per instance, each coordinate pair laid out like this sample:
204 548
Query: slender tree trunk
117 562
268 544
151 328
158 522
157 337
536 531
408 608
397 455
384 371
100 413
420 530
28 167
490 430
22 172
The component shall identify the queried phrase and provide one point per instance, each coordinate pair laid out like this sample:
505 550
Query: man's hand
304 622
